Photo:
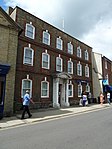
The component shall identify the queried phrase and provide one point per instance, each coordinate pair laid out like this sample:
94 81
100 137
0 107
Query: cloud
100 37
89 21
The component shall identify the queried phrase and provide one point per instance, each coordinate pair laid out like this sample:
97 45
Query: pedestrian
108 97
101 98
89 97
84 98
26 102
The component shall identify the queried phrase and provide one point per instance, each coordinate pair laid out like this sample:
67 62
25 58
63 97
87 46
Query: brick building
8 51
107 69
107 76
102 75
54 66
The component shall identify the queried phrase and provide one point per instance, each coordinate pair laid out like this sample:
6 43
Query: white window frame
23 90
57 64
59 43
70 90
70 67
45 61
79 52
87 87
46 37
25 59
105 64
27 32
70 48
47 89
87 71
86 55
79 90
79 69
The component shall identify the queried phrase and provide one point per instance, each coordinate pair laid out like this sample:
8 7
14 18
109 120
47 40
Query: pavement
48 114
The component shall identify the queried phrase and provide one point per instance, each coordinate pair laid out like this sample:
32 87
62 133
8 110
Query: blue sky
2 4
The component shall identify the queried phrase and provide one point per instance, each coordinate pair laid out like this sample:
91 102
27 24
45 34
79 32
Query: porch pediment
63 75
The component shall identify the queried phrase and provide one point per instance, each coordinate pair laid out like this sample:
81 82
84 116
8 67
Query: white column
56 93
67 102
63 95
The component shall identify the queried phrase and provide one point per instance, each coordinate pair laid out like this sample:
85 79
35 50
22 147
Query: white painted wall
97 73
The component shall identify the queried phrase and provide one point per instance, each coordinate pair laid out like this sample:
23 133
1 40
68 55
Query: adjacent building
107 69
9 32
102 75
97 74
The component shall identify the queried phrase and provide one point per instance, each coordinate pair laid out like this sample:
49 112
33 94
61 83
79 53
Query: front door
2 87
60 94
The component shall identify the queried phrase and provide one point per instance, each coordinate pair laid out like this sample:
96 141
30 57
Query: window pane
46 38
26 84
58 64
44 89
30 31
44 85
58 61
44 92
69 67
45 57
69 90
70 48
59 43
28 56
45 62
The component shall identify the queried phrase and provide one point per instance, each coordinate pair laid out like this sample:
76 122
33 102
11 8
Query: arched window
79 90
79 69
59 64
70 67
26 85
30 31
87 88
44 89
46 37
59 43
28 56
79 52
70 90
86 71
70 48
86 55
45 60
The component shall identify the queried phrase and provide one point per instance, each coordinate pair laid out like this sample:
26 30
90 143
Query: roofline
53 26
106 58
16 26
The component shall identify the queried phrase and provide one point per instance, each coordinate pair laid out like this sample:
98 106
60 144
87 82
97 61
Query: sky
88 21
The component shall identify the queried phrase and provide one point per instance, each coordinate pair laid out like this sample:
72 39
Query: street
92 130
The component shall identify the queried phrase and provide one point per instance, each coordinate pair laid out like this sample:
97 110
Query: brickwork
36 72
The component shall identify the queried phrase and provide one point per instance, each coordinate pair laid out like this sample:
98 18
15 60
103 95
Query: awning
4 69
107 88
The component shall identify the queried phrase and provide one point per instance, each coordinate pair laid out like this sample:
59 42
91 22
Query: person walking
108 98
26 102
84 98
101 98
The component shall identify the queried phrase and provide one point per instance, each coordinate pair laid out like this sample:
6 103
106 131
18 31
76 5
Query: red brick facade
107 69
38 74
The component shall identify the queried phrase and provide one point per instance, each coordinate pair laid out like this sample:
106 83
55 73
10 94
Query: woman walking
101 98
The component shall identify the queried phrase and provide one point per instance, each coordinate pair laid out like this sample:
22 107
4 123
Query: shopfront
3 72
